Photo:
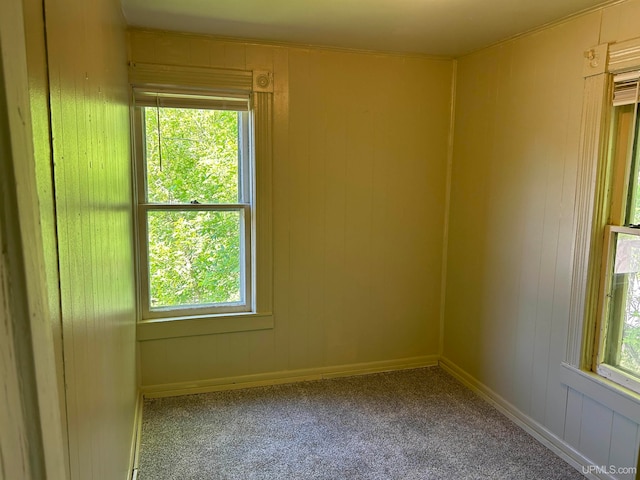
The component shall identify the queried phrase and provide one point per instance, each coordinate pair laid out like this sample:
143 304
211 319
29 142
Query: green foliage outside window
192 156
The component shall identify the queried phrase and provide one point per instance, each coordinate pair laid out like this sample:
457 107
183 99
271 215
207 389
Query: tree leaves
192 156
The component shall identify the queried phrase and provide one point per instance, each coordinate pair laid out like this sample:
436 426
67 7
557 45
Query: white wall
517 132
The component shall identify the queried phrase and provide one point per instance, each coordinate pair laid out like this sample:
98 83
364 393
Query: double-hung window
202 141
196 202
618 348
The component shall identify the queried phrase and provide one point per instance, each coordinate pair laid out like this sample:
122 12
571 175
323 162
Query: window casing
249 96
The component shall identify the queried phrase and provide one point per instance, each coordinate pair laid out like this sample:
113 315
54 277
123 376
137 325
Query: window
195 203
202 142
618 339
603 334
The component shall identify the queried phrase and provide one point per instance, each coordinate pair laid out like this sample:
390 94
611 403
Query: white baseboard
135 439
286 376
529 425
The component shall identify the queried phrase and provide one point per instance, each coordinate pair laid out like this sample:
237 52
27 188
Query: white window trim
259 85
591 214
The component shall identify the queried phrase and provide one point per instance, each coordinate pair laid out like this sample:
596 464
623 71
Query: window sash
183 98
194 310
609 343
245 147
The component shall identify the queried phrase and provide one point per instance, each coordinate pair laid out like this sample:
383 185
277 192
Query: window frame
593 210
259 86
144 207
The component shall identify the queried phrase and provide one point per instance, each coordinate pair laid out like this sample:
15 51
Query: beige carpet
412 424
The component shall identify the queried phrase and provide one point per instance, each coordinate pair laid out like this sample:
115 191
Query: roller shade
190 99
625 88
146 75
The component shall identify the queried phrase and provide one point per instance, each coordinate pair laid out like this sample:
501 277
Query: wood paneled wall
510 246
87 89
360 148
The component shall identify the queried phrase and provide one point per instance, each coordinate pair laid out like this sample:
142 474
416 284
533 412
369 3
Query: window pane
195 258
623 342
192 155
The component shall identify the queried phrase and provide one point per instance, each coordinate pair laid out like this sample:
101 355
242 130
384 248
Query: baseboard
135 439
286 376
529 425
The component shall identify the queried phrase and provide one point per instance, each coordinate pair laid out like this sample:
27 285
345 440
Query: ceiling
437 27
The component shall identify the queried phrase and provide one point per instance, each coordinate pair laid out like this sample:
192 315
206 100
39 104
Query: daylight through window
195 203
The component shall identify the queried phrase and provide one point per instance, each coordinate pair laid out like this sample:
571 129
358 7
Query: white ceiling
438 27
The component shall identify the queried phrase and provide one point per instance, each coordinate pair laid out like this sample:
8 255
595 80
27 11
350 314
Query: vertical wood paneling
338 332
573 418
623 451
90 129
235 55
281 205
298 157
471 188
620 22
595 433
317 214
358 207
568 138
517 136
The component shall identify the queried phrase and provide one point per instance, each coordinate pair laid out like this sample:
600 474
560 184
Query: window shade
625 88
190 99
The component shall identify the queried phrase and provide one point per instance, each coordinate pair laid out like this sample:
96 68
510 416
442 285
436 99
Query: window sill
202 325
602 390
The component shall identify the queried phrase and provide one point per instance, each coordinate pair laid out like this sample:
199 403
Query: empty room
374 239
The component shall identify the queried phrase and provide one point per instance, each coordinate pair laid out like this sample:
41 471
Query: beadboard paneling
90 131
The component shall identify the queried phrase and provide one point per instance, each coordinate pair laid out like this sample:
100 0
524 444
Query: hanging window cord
159 130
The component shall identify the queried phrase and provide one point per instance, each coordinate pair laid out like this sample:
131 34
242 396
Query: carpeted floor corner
412 424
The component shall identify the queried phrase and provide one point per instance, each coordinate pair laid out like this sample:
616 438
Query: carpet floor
411 424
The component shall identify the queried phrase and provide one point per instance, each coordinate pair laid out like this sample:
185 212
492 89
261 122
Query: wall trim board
135 439
286 376
533 428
